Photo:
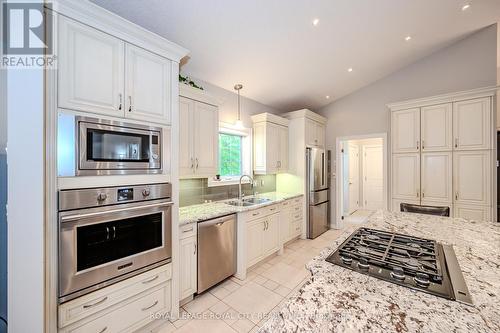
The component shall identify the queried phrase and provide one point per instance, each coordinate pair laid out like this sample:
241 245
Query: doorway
361 177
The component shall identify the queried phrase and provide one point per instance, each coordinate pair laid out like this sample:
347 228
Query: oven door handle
73 217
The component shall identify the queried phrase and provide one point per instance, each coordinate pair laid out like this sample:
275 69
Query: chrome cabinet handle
423 144
88 306
456 142
189 230
197 163
255 214
149 307
456 195
194 248
192 163
418 144
150 280
104 329
120 98
114 232
418 194
423 194
297 216
129 103
272 209
107 233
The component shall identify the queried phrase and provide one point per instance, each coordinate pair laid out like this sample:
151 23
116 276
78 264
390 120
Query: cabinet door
471 177
405 131
477 213
186 159
272 147
436 127
188 267
285 221
148 85
472 124
283 148
206 139
320 134
436 176
270 238
259 148
255 231
91 69
406 176
311 136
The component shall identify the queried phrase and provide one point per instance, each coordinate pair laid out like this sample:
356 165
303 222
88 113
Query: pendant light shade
238 123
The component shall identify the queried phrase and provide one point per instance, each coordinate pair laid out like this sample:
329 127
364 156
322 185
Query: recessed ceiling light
407 38
349 70
327 96
466 6
316 21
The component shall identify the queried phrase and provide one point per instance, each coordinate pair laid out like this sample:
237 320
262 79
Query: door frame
348 179
364 170
339 198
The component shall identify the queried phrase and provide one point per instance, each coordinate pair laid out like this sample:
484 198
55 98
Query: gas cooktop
417 263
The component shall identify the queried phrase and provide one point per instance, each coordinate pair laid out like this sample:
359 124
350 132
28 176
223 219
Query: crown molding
197 95
445 98
99 18
269 117
305 113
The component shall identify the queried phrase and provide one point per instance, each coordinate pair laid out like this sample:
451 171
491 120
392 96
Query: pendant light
238 123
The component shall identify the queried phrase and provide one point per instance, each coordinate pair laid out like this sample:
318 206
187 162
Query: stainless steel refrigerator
317 191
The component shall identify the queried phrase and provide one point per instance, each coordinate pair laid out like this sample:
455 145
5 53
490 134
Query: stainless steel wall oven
109 234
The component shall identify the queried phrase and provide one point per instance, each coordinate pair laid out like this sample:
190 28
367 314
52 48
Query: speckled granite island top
210 210
336 299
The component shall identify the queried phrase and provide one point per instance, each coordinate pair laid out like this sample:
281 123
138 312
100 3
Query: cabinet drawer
188 230
297 200
294 228
296 209
261 212
296 216
124 318
102 299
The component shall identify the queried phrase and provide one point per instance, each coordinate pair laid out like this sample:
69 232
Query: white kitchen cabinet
148 85
188 267
472 124
270 236
315 133
270 144
255 249
436 177
471 212
405 131
406 176
91 72
471 177
436 127
199 139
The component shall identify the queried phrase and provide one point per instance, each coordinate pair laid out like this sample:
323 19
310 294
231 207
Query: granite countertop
336 299
210 210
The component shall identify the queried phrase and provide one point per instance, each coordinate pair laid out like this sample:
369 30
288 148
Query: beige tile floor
241 306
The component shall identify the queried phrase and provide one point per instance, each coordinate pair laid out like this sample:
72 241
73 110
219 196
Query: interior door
436 177
406 176
148 80
471 177
436 128
405 131
471 124
353 178
206 139
373 177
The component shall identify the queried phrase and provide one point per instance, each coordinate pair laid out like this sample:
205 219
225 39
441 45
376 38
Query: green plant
189 82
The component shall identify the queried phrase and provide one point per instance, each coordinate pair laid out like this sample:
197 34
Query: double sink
248 202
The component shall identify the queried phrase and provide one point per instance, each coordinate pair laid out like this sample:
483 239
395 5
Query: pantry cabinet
262 238
472 124
188 267
472 212
270 144
199 139
436 127
405 130
436 177
472 177
315 133
406 176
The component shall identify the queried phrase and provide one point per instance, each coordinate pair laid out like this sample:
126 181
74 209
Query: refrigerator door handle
322 169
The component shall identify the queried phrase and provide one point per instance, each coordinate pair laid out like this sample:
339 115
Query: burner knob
363 263
398 273
422 280
146 192
102 197
346 259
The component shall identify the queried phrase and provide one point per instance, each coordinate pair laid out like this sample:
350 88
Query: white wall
469 63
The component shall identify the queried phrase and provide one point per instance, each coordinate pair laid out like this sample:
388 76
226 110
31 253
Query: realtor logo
26 29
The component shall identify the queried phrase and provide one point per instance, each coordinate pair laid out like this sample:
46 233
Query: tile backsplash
196 191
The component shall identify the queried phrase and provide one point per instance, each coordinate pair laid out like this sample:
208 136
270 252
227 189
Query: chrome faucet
240 194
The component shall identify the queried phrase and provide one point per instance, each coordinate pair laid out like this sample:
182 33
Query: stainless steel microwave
91 146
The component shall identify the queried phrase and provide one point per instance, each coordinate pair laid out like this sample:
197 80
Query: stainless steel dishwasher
216 251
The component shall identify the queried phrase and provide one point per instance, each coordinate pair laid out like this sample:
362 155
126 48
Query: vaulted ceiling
283 60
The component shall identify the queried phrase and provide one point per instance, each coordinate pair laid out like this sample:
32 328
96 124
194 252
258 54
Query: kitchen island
336 299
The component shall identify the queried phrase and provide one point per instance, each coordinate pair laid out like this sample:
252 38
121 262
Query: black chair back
429 210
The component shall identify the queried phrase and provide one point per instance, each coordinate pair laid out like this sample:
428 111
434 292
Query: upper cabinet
148 85
270 144
91 69
315 133
199 135
436 127
102 74
405 128
472 124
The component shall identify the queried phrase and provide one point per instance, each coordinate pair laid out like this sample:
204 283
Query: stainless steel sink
257 201
248 202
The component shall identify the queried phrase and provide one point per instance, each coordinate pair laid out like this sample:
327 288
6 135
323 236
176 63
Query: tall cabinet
442 153
270 144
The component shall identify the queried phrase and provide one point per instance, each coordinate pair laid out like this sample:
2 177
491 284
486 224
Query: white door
436 127
472 124
406 176
471 177
270 239
186 159
436 177
91 69
353 178
206 139
188 267
405 131
254 234
373 177
148 85
471 212
283 148
272 148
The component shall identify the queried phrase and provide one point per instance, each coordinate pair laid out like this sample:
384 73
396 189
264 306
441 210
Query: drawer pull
297 216
255 214
285 203
149 307
297 208
189 230
88 306
104 329
272 209
150 280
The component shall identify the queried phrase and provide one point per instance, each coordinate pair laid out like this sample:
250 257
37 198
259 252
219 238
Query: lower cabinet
471 212
188 260
291 219
262 238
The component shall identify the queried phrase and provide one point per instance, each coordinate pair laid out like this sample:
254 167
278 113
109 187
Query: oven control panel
125 194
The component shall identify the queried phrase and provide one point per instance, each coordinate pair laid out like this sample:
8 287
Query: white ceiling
282 60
